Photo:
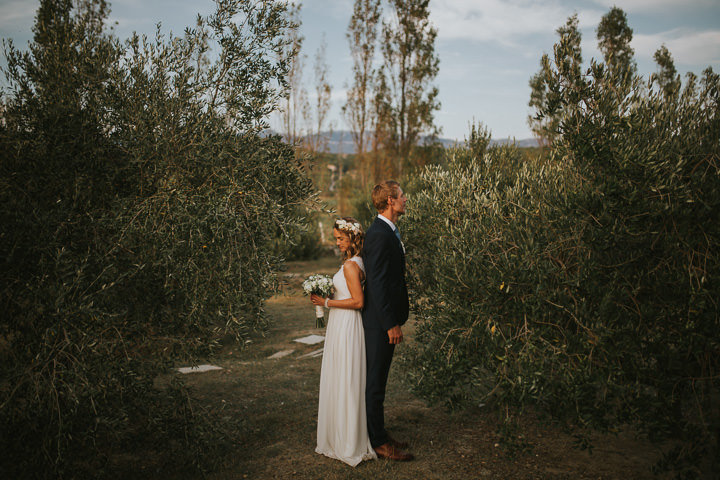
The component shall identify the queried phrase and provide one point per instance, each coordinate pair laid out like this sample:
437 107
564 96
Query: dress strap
359 262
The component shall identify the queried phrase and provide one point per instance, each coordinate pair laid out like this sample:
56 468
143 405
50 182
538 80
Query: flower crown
345 226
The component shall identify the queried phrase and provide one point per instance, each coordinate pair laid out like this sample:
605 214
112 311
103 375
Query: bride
342 426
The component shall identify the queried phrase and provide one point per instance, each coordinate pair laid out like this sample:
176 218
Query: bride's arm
352 277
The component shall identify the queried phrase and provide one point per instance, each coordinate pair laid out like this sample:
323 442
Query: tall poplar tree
542 127
362 36
666 77
295 108
323 102
544 95
409 68
614 36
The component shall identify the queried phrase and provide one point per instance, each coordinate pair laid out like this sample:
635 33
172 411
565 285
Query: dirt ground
276 400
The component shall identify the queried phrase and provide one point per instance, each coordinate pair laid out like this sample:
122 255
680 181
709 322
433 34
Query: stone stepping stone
198 369
316 353
281 354
311 339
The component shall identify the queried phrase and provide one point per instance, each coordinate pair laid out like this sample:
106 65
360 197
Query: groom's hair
381 192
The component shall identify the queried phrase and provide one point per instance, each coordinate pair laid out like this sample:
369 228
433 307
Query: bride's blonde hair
352 228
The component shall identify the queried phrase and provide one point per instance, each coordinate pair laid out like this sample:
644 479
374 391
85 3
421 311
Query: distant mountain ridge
341 141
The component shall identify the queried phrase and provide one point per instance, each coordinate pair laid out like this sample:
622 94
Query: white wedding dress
342 425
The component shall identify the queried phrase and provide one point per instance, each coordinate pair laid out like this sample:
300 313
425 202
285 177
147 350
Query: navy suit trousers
379 357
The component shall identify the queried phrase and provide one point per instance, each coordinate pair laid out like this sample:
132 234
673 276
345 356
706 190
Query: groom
386 310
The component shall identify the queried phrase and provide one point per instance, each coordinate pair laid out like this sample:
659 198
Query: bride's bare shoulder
352 269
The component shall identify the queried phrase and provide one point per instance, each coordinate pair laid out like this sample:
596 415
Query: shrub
140 213
584 287
305 242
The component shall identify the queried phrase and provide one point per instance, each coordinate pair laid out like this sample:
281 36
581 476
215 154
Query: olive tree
140 213
584 286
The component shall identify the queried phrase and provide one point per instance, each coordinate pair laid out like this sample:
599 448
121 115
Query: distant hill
341 142
523 143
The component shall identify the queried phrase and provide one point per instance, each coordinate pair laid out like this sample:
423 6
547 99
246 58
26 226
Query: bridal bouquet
318 285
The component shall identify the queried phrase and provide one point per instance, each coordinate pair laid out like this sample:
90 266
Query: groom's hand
395 335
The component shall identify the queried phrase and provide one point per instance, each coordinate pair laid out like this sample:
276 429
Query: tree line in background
145 218
389 110
391 101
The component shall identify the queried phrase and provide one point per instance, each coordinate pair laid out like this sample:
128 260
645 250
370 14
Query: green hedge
584 286
140 216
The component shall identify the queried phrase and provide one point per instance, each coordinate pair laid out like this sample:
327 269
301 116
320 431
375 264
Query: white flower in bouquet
321 285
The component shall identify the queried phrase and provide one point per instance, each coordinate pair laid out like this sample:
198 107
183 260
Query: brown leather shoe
398 444
392 453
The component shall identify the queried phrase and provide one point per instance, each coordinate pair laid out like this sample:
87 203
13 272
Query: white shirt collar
388 221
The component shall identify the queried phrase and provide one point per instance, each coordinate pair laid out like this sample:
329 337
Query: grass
274 402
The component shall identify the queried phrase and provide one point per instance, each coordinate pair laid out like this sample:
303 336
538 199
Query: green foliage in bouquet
584 286
139 210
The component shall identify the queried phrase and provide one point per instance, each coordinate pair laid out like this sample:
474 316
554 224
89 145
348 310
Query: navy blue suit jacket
386 295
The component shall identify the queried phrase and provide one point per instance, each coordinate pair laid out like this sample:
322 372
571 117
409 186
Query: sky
488 49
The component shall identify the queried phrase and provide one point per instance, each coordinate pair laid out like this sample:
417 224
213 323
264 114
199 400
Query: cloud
142 16
505 22
654 5
686 46
17 12
490 21
338 9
